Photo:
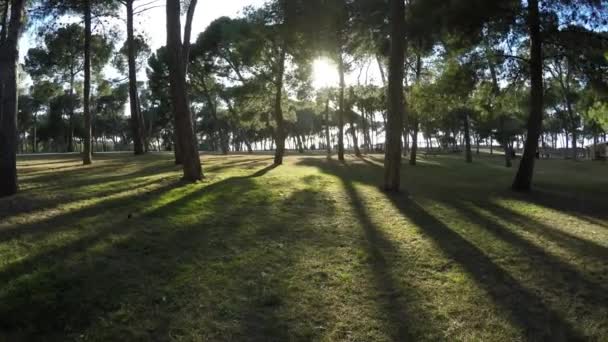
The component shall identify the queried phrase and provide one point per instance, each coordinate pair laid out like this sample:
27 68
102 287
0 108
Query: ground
311 250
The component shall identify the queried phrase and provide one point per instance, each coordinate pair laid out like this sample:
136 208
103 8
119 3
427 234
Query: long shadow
377 246
64 190
525 309
554 270
565 240
59 295
61 222
589 209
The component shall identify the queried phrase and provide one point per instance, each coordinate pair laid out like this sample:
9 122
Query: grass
311 250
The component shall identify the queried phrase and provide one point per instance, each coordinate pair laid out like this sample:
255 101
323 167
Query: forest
352 170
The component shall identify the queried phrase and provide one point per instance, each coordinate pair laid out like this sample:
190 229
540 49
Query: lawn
311 250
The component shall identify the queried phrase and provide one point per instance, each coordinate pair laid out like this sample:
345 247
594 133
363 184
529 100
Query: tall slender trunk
574 145
186 139
280 134
523 179
341 108
467 139
299 143
137 120
392 157
414 150
415 122
72 109
353 131
327 137
87 156
506 143
9 56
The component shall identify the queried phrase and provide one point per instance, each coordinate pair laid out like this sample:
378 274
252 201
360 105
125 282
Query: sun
324 73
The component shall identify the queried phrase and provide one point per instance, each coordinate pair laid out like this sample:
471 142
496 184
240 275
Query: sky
153 21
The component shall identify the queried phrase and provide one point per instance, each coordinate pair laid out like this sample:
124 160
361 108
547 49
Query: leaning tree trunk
137 120
278 112
523 179
186 139
9 56
392 157
341 109
87 157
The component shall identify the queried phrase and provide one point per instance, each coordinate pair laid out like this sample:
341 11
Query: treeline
456 74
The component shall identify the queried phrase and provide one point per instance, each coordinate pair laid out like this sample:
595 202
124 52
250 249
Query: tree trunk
186 139
87 156
71 114
523 179
34 135
392 157
355 138
467 139
414 149
137 120
415 123
341 109
9 56
574 145
299 143
327 137
278 111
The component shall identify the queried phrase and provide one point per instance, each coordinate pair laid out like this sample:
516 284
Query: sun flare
325 73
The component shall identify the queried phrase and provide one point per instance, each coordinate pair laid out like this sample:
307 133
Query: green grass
311 250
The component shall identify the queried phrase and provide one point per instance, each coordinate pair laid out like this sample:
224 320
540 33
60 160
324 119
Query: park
310 250
303 170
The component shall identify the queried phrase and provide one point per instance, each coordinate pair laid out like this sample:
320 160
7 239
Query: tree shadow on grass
524 308
554 270
571 242
70 187
161 274
378 245
592 209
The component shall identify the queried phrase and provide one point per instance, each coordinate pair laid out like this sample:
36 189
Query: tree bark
523 179
415 123
72 109
9 56
341 108
87 156
355 138
467 139
392 157
414 149
278 111
327 137
186 139
137 120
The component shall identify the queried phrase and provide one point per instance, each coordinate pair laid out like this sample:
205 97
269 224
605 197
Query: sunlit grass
311 250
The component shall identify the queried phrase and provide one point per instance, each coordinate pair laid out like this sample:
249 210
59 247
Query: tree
61 60
133 46
10 31
523 178
392 157
178 54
